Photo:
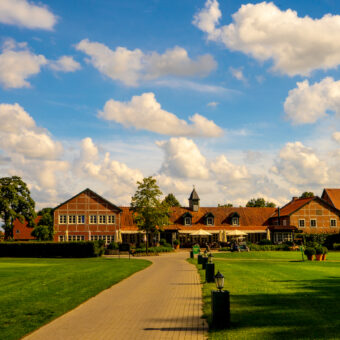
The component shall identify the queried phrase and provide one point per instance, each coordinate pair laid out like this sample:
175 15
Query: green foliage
50 249
336 246
260 203
171 201
149 212
265 242
41 233
176 242
15 202
307 194
309 251
163 243
318 250
227 205
113 246
324 250
270 247
152 250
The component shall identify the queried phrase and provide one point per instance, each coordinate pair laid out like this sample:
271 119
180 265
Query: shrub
324 250
162 241
50 249
224 249
309 251
336 246
270 247
113 246
318 250
176 242
153 250
265 242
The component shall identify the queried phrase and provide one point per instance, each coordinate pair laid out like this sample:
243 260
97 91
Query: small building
311 215
87 217
21 230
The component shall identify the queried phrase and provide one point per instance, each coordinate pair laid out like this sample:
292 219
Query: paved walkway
160 302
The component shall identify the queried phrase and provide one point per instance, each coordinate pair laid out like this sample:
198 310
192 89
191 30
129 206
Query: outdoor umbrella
200 232
224 236
220 236
236 233
268 234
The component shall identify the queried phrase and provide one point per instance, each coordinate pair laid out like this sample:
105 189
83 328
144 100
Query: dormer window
187 220
234 219
209 219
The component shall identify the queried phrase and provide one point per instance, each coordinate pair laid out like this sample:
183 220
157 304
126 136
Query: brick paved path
160 302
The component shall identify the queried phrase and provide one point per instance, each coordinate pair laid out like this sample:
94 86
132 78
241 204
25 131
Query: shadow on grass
312 312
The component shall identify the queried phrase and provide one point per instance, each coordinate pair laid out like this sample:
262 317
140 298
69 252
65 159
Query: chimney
294 198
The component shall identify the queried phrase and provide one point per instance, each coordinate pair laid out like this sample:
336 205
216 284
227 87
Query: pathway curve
161 302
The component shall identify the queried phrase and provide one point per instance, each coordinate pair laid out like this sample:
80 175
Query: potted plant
310 252
324 253
319 253
176 244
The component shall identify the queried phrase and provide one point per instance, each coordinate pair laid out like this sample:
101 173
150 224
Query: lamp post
220 304
210 270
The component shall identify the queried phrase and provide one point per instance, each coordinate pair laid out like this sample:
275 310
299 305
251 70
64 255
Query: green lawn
35 291
274 295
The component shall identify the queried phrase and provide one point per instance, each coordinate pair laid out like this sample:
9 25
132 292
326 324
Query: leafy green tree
227 205
46 221
149 212
307 194
15 202
42 233
171 200
260 203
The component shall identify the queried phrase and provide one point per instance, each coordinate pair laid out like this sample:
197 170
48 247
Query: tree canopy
149 212
44 231
260 203
15 202
171 200
307 194
226 205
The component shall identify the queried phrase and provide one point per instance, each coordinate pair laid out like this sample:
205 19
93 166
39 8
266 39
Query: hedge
257 247
50 249
152 250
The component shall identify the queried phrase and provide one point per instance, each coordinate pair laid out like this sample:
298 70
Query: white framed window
301 223
61 238
102 219
333 222
96 237
93 219
74 238
62 219
72 219
111 219
210 220
235 221
81 219
313 223
187 220
284 222
78 237
92 238
70 238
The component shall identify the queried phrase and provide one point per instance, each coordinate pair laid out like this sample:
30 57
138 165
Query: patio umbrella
220 236
224 236
200 232
236 233
118 236
268 234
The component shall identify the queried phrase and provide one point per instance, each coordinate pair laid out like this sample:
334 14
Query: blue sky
241 99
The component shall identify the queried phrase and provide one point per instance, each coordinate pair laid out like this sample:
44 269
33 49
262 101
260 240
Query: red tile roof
250 218
334 195
24 232
293 205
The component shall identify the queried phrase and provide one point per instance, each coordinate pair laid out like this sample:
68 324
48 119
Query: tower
194 201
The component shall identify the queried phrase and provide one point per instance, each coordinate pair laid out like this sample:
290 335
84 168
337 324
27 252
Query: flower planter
324 257
318 257
310 257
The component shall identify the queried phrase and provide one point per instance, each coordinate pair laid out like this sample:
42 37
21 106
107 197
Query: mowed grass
273 295
35 291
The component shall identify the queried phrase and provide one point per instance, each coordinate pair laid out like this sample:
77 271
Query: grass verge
273 295
36 291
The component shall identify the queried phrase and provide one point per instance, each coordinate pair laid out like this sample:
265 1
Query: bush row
155 250
51 249
269 247
336 246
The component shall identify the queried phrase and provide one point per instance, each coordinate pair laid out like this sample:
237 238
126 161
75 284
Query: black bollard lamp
209 258
219 281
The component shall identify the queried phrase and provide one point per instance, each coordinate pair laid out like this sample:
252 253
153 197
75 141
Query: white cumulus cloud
296 45
26 14
132 66
144 112
17 64
308 103
65 64
301 166
336 136
183 159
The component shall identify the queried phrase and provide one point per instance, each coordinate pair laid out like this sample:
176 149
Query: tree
260 203
15 202
149 212
307 194
227 205
41 233
171 200
46 221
